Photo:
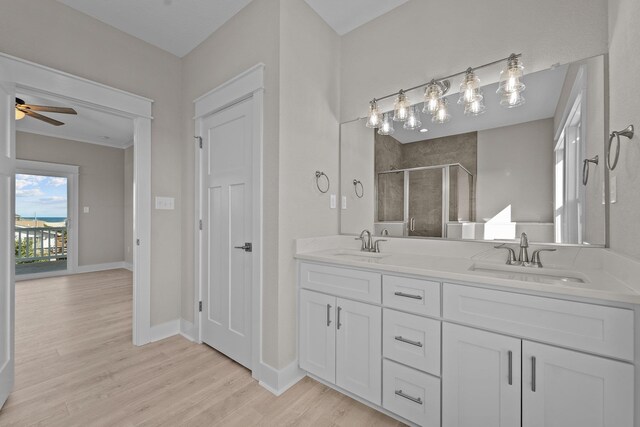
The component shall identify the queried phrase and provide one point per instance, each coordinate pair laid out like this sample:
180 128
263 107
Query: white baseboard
164 330
128 266
187 330
279 381
100 267
79 270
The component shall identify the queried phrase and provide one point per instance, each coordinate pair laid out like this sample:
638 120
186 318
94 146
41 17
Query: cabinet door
318 334
359 349
480 378
566 388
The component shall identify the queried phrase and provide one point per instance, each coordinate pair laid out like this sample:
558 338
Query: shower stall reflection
421 201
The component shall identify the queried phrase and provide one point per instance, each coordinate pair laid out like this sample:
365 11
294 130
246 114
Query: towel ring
585 168
628 132
319 175
355 188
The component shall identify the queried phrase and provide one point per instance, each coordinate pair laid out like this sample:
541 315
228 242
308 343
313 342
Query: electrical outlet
613 190
333 201
85 209
344 202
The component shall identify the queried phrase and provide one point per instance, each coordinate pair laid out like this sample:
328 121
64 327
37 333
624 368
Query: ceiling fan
23 109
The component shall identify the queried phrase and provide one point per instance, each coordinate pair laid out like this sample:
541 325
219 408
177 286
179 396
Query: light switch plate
344 202
165 203
333 201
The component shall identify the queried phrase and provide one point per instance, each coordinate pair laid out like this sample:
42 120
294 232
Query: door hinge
200 306
199 138
200 225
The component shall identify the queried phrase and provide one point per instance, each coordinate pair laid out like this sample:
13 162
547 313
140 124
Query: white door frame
71 173
247 85
29 77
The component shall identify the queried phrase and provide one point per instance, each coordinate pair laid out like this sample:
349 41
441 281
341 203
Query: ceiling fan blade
41 117
44 108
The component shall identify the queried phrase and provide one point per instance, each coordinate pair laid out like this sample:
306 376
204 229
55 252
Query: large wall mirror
538 168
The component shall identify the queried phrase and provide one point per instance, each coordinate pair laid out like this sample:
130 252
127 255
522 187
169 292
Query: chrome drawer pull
416 343
411 398
402 294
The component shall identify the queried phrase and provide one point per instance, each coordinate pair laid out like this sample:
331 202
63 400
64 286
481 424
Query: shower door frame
446 181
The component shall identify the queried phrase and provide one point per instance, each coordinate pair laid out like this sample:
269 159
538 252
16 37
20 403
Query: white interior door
7 279
227 230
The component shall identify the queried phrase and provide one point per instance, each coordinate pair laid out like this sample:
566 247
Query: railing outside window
37 244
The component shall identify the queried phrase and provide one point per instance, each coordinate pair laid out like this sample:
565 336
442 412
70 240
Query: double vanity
445 333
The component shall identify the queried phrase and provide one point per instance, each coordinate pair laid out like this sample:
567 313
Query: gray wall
100 186
624 61
67 40
515 167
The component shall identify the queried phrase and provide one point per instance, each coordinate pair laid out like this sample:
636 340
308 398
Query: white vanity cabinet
480 378
340 342
457 355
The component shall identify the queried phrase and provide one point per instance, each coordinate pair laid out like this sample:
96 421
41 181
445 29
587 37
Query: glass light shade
442 114
413 120
374 118
386 127
511 77
19 114
475 108
512 100
432 95
401 108
470 88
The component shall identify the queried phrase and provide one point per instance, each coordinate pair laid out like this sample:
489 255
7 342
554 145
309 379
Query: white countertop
598 283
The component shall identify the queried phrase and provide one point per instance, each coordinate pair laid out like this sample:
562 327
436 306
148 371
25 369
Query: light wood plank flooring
76 366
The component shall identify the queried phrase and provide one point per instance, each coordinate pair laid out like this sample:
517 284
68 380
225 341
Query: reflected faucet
523 256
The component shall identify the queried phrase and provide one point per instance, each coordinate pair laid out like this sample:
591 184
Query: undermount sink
358 254
529 274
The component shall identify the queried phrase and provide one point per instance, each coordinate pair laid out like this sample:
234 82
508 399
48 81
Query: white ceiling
92 126
542 94
346 15
178 26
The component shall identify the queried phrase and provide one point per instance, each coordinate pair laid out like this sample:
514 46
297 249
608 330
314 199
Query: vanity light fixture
401 107
374 117
424 130
19 114
510 90
386 127
442 114
511 86
471 94
413 120
432 94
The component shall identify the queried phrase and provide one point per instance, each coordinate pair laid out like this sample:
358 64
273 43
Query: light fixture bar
488 64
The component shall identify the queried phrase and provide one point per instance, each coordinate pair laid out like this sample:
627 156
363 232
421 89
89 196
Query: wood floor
76 366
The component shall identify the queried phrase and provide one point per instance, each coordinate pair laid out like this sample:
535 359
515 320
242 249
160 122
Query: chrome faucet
365 237
511 257
523 256
535 257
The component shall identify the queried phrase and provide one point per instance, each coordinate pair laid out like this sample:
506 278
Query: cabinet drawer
416 296
411 394
589 327
342 282
412 340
